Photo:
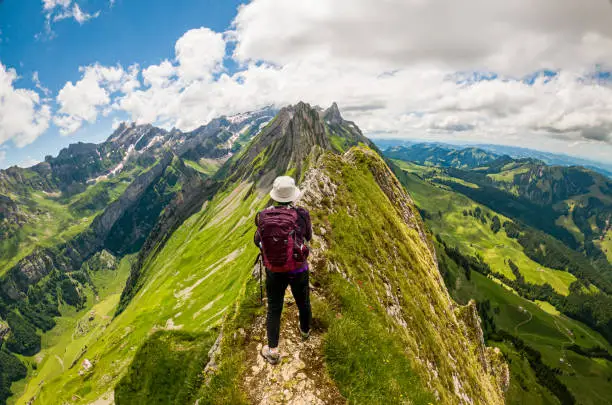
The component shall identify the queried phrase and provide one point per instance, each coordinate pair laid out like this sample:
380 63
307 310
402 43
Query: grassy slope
506 177
205 166
392 259
472 236
606 245
371 358
189 285
74 331
550 333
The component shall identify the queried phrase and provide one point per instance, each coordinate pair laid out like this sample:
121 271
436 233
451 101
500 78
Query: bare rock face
332 115
490 358
4 330
293 141
11 217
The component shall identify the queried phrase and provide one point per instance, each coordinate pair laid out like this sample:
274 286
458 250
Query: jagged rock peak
332 115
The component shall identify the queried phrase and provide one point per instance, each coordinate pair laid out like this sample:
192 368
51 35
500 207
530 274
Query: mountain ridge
189 281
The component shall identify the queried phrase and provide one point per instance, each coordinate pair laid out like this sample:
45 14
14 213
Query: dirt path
564 345
301 376
526 321
60 361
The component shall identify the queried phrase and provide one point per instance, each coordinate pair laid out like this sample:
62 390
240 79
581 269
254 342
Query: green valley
482 256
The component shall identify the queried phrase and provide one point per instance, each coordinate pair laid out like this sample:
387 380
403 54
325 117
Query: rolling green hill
472 229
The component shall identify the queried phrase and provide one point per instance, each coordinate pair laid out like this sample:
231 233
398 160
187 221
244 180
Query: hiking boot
272 356
305 335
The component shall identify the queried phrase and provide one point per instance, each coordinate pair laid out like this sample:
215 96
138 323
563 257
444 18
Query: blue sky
428 71
127 31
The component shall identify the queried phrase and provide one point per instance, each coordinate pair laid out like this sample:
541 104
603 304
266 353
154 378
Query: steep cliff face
292 141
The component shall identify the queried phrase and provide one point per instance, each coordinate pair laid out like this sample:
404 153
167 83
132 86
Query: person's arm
307 224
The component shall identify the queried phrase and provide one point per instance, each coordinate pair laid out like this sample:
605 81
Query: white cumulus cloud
90 96
23 116
199 53
406 68
57 10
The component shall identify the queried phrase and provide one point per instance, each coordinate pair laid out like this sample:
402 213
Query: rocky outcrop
4 330
292 142
490 358
12 218
286 142
332 115
299 379
19 181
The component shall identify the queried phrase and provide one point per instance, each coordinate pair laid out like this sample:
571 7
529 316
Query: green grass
392 261
225 385
524 388
166 369
74 332
473 237
52 223
368 364
55 220
507 174
567 222
205 166
189 286
339 143
606 245
548 332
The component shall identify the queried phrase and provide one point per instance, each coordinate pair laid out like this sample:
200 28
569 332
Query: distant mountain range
437 155
540 194
512 151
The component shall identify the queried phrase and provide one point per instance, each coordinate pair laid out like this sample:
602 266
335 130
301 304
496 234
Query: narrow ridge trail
300 378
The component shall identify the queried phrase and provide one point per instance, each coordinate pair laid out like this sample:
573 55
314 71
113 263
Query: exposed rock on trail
300 377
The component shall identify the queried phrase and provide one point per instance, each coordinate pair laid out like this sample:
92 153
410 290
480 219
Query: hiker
282 233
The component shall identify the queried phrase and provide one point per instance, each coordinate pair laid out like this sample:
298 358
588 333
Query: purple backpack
283 250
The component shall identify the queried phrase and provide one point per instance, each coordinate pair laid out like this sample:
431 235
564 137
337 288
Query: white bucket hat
284 190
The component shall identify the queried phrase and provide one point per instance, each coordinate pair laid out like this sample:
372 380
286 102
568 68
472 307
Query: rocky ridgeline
449 348
442 339
292 141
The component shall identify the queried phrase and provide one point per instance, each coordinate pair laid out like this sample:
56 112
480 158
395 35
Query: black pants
276 284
